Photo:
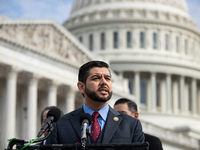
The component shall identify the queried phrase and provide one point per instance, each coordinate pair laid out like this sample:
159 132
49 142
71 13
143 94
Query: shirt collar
103 111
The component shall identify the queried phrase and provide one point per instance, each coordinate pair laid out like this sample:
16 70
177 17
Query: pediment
46 36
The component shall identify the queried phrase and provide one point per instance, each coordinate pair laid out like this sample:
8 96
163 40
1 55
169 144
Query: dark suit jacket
154 142
67 130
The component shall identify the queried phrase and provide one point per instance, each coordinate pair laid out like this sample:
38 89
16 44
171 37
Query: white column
186 99
161 40
182 100
96 41
163 96
136 38
52 95
198 101
70 100
171 42
194 96
10 121
86 39
32 108
137 88
153 91
159 37
122 38
148 39
121 75
175 96
181 46
169 95
109 39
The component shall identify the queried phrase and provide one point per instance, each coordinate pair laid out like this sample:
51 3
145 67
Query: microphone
52 116
85 121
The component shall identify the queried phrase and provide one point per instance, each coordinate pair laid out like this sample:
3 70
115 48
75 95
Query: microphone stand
20 142
48 134
83 141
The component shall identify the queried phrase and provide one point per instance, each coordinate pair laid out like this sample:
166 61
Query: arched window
166 42
158 94
81 39
128 39
130 86
103 41
142 40
143 92
115 40
129 76
154 41
91 42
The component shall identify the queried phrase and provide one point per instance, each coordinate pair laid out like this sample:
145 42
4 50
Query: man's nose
103 81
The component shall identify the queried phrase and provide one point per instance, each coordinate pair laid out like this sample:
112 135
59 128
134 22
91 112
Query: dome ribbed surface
86 6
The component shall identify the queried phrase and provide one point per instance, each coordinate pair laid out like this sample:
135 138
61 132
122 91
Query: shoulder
123 116
155 142
151 137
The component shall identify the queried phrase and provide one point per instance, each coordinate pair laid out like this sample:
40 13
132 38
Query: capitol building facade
152 46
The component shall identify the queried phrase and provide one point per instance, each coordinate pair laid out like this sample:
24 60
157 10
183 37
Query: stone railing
170 136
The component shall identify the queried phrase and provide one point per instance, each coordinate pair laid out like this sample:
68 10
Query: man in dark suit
115 127
130 108
43 119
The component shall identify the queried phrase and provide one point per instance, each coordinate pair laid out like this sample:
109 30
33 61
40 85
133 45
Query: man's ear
81 87
136 115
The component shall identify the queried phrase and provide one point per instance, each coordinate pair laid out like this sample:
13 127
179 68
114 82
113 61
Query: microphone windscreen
55 112
85 116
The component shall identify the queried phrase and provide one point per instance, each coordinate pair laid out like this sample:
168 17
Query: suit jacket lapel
75 121
112 123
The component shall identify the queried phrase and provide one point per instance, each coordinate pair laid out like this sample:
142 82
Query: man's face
98 85
123 108
44 120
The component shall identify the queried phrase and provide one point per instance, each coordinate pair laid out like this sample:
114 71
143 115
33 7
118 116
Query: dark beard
93 96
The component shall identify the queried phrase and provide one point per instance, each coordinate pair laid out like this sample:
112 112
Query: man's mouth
103 90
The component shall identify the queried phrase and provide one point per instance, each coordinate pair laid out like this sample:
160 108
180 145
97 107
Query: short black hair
48 108
84 70
132 106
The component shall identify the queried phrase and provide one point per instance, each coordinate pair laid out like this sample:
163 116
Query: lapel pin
116 119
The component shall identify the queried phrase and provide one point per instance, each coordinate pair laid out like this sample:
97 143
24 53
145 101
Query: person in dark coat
43 118
130 108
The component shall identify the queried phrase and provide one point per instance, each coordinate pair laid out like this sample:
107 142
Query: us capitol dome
155 45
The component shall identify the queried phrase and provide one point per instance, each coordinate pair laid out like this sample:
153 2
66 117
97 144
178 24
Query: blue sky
59 10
